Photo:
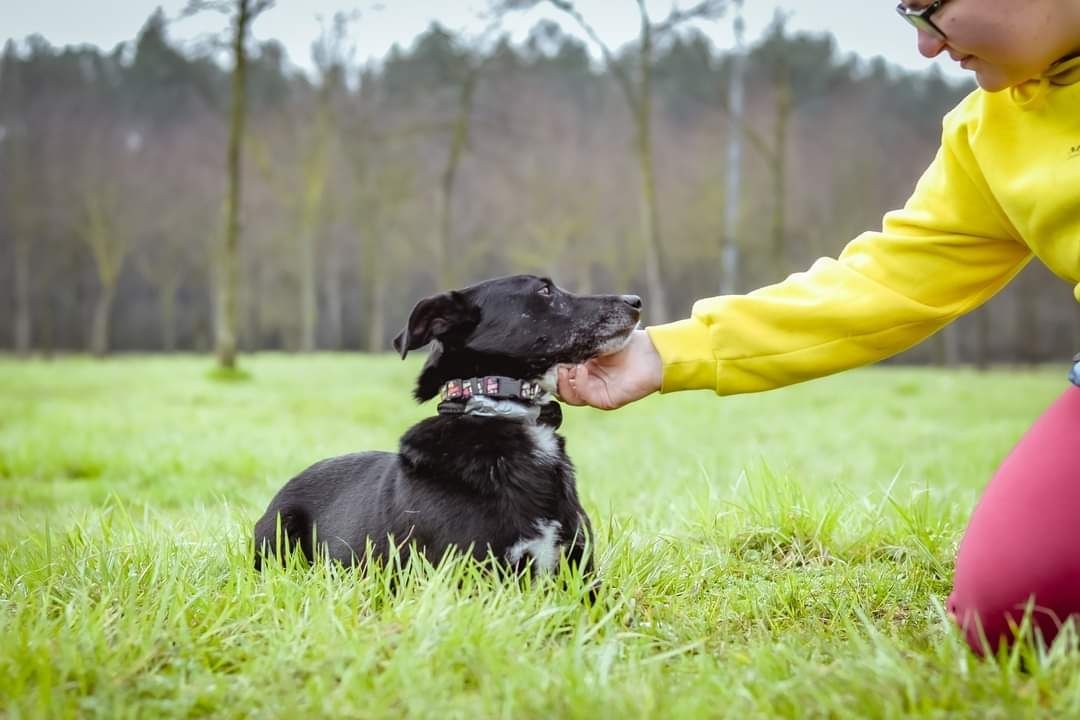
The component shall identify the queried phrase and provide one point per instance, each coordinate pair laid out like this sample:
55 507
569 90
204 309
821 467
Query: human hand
611 381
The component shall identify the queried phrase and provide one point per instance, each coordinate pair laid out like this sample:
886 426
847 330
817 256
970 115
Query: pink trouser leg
1023 540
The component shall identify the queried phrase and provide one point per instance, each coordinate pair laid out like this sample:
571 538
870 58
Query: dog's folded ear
440 316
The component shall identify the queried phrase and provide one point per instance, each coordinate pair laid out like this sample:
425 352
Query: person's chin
991 81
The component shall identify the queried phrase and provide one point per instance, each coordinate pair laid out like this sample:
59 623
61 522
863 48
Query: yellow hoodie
1005 185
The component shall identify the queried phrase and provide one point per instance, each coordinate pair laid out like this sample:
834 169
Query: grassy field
780 555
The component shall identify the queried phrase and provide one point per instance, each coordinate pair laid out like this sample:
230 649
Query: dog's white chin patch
615 344
543 548
549 381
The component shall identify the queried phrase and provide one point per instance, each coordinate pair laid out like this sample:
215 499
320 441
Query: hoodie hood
1030 95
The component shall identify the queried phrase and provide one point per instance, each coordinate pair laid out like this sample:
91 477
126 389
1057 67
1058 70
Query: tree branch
752 135
195 7
225 7
706 10
616 69
642 9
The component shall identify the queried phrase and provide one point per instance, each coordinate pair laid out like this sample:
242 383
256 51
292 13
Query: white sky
865 27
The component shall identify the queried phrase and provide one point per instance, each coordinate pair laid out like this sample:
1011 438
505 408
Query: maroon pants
1023 542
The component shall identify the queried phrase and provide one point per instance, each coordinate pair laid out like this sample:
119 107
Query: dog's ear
439 316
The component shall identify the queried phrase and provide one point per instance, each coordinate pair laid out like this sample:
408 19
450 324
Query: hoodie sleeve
946 252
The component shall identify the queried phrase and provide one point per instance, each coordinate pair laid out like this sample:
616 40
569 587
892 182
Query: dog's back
321 501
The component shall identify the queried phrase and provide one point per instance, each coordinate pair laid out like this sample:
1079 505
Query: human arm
945 253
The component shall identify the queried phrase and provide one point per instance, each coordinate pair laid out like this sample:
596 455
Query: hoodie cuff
685 348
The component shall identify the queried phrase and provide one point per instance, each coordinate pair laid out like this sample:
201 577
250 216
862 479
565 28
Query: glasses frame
920 19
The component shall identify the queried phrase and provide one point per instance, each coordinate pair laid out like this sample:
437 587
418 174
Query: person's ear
436 317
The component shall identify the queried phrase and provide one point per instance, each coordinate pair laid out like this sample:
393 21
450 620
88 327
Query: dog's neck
501 408
500 398
498 387
446 364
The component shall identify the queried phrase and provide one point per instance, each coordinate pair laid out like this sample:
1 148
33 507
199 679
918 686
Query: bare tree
242 14
109 243
13 149
105 175
331 55
382 201
472 65
168 255
797 68
20 211
637 89
459 140
775 154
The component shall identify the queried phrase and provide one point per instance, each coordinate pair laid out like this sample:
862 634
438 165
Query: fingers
568 391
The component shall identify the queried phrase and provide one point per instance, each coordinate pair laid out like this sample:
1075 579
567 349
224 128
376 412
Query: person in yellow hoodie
1003 188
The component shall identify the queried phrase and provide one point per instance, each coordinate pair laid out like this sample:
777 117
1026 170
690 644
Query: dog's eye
545 290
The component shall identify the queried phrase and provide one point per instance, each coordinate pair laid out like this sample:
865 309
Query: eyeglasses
920 19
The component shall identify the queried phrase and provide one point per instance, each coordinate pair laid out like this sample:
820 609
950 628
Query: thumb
567 385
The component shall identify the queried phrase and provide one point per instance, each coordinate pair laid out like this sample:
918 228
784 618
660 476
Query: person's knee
996 605
1017 559
987 625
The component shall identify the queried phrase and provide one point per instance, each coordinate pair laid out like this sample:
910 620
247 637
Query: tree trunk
167 308
251 309
440 259
99 329
654 282
377 319
310 213
18 206
982 338
47 341
309 299
228 273
335 309
779 175
375 287
729 278
447 275
650 221
22 295
1027 318
947 346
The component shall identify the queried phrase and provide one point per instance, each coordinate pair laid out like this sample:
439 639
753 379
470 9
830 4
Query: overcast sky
865 27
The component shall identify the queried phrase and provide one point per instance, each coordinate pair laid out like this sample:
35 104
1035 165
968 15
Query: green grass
779 555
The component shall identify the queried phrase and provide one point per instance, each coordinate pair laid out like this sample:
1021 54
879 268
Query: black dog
487 475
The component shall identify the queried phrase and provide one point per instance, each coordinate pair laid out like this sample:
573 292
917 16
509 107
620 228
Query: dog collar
528 413
497 387
549 414
501 397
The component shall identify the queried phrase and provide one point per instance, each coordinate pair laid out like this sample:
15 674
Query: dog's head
519 326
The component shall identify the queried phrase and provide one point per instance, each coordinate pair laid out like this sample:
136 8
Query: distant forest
452 160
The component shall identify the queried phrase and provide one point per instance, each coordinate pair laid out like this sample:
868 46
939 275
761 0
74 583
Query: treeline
450 161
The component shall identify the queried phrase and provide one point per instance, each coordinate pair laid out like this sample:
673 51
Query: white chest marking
543 548
545 444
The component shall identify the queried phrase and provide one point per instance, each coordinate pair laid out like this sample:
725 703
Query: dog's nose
633 301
